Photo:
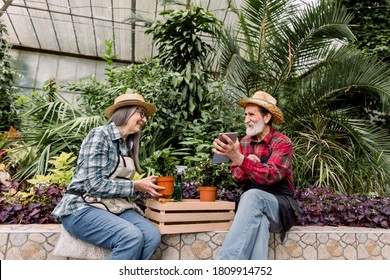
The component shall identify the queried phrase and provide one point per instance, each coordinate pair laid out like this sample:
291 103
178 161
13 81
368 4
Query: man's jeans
129 235
247 239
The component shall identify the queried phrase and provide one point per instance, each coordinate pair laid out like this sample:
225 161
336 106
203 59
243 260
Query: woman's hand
148 185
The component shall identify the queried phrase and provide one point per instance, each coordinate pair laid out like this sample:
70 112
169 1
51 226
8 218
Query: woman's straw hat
130 98
265 100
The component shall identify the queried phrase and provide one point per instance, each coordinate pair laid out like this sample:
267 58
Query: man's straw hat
130 98
265 100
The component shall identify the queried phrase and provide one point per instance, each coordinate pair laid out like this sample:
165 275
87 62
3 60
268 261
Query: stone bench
186 216
38 242
195 246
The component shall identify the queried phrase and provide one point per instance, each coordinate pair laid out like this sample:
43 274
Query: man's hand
254 158
229 149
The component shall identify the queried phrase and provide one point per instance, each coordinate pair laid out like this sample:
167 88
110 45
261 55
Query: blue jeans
248 237
129 235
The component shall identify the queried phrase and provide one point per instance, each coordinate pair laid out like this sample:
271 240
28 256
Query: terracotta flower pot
168 182
207 193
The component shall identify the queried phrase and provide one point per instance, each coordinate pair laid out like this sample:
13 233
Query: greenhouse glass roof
80 27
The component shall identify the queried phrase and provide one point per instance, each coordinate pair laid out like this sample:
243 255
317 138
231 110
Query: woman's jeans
129 235
247 239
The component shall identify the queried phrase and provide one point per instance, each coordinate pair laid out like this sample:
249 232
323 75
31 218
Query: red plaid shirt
278 167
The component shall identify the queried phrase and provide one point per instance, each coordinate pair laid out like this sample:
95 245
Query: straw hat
130 98
266 101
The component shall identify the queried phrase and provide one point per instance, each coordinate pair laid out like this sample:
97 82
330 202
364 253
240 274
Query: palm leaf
53 127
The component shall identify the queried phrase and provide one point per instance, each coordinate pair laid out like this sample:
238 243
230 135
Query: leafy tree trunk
371 25
179 36
7 89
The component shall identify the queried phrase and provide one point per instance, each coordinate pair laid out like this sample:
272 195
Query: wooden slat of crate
170 217
189 228
190 204
190 215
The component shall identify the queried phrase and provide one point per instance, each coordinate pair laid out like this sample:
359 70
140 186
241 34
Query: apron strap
75 192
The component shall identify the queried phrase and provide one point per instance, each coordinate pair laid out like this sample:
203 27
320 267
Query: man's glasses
142 113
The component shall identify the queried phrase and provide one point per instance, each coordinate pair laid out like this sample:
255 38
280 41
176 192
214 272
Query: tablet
217 159
231 135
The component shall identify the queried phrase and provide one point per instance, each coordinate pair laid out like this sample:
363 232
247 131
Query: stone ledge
37 242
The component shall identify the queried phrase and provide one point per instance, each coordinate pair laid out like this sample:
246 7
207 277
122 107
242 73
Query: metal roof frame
80 27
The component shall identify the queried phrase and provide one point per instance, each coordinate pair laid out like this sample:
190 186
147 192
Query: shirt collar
114 132
267 138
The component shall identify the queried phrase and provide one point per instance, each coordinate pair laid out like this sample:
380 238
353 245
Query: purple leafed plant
319 206
32 207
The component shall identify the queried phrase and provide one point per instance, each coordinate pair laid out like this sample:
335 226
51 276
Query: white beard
253 129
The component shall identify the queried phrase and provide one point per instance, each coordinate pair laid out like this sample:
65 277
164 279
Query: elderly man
262 164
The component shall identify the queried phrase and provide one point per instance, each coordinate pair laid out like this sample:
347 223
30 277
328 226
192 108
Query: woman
102 179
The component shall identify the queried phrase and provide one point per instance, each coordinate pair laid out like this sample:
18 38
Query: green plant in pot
210 177
163 164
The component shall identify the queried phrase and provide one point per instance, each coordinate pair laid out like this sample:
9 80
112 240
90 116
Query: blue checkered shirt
97 159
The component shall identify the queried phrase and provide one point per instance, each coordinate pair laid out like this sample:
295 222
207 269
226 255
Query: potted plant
210 177
163 164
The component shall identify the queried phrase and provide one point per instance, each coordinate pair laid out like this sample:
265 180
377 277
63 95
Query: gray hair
120 117
264 112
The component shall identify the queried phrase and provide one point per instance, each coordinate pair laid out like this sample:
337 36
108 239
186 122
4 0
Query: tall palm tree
303 55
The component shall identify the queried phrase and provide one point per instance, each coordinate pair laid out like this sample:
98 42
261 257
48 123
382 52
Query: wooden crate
190 215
